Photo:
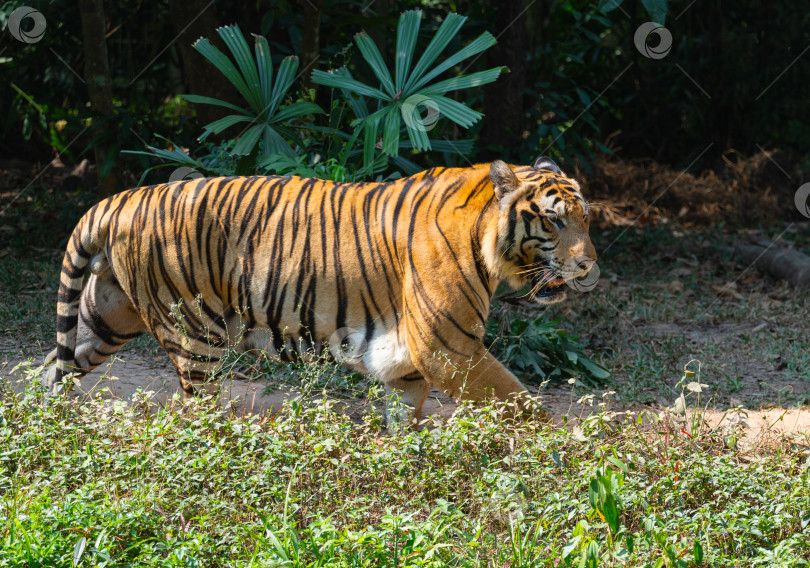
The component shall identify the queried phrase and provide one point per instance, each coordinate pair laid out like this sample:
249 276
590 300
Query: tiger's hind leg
198 376
198 346
107 321
196 349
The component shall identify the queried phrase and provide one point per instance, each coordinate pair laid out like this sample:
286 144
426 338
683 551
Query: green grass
109 485
645 327
105 484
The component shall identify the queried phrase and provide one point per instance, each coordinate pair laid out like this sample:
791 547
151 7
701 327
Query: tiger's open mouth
550 287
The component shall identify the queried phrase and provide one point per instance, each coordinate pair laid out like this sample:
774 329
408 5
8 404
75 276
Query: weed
100 482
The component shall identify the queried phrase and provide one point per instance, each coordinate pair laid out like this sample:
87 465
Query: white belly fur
387 357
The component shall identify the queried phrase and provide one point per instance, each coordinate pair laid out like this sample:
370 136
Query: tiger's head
542 229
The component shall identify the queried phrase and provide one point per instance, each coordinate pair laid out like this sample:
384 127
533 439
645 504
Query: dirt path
133 371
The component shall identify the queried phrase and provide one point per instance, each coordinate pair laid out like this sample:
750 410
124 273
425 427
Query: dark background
734 83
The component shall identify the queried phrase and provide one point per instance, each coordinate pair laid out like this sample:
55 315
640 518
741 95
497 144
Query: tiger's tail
83 245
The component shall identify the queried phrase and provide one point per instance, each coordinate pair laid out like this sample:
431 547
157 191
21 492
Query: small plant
386 120
268 122
542 351
402 98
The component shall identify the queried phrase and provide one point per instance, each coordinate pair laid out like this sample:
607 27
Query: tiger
394 278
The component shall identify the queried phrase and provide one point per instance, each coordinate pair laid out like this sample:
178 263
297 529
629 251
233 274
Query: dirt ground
671 291
134 371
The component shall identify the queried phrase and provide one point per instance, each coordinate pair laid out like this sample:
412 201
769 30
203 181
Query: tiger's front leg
462 367
406 396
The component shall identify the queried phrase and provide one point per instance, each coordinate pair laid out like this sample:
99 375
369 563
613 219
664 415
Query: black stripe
66 323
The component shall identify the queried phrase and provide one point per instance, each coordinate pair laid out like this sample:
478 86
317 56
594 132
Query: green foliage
399 98
541 350
397 113
265 119
95 482
656 9
581 98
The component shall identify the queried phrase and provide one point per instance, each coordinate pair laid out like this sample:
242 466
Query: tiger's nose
583 250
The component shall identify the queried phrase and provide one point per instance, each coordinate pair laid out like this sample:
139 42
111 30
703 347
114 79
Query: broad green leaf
611 513
412 109
407 32
357 102
225 66
446 32
273 143
374 59
418 136
370 141
596 370
226 122
78 550
572 545
391 132
593 494
299 108
264 62
284 79
341 82
481 43
592 553
233 38
176 156
212 101
248 140
697 551
458 112
462 82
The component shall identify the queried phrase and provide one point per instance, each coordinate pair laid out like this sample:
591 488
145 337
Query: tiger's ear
503 178
546 163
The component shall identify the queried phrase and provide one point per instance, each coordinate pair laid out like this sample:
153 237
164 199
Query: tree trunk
503 100
191 20
311 40
99 83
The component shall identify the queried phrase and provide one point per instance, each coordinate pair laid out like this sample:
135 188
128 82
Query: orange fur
288 264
